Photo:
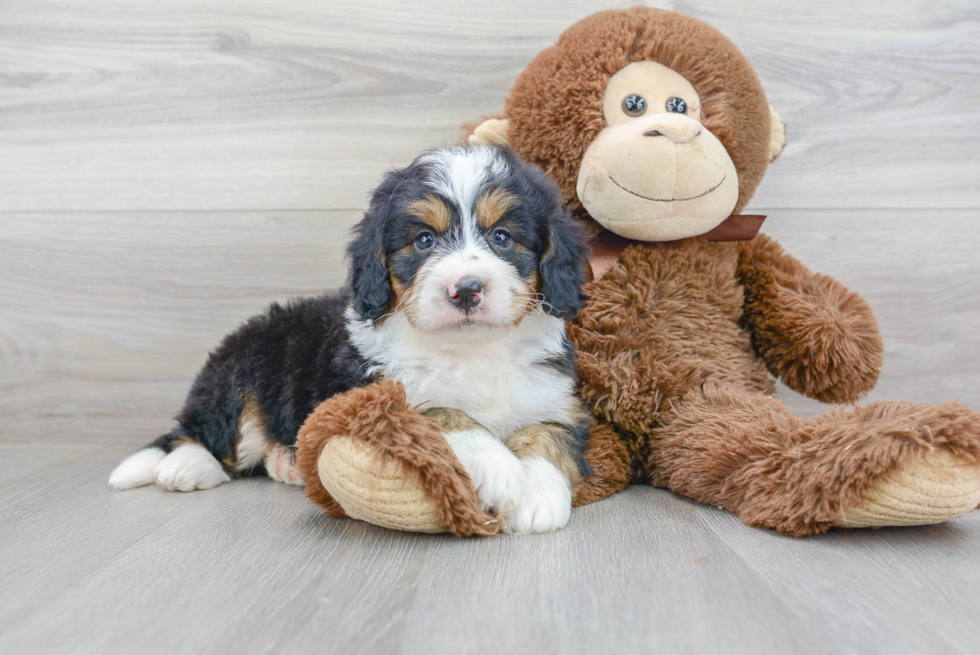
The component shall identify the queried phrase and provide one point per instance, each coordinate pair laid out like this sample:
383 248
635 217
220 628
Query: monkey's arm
819 337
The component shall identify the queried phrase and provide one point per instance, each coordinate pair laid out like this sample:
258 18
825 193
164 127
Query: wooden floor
168 169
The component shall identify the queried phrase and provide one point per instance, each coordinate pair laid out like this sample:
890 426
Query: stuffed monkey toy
657 130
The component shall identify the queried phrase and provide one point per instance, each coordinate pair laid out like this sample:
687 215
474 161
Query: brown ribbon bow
607 247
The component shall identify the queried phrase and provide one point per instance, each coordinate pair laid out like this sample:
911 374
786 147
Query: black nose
466 296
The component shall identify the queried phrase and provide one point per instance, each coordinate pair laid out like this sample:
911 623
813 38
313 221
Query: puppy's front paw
497 474
499 482
547 502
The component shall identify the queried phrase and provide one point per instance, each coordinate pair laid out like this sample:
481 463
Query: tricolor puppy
462 273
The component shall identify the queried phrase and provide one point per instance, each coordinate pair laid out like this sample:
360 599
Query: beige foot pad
377 491
938 489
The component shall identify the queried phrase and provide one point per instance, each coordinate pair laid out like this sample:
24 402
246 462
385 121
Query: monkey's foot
938 488
372 487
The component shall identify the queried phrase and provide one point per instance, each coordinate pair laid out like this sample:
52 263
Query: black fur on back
288 360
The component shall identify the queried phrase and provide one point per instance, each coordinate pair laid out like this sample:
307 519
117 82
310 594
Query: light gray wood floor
168 169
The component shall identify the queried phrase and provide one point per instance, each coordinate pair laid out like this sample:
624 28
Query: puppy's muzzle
465 294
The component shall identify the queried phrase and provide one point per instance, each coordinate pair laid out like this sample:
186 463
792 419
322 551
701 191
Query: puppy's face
461 265
465 237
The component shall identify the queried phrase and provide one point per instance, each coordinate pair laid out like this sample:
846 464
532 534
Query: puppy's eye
676 105
634 105
501 238
424 241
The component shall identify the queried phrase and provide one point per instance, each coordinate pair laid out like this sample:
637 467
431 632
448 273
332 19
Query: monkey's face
655 173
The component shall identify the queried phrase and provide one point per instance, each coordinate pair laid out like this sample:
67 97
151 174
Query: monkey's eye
424 241
634 105
501 238
676 105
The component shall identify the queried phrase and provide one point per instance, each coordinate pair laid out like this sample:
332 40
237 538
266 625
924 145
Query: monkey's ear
777 134
492 131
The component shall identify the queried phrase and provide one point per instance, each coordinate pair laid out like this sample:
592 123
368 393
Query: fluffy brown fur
673 345
380 416
749 454
820 338
661 322
612 465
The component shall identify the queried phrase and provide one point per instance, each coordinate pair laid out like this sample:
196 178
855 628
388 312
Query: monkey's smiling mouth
700 195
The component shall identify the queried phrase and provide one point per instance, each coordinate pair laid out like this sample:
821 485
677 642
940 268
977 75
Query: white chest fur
490 373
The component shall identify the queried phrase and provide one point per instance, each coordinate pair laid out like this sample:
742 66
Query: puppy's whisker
534 299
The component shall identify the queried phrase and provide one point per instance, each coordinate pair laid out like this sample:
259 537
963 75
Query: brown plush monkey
657 130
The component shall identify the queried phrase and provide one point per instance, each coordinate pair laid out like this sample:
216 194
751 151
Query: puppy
462 273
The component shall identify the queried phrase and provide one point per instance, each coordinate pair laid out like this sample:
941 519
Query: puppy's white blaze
190 466
497 474
459 173
487 372
547 501
137 469
433 311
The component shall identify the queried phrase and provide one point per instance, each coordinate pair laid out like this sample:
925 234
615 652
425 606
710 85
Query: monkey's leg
370 455
883 464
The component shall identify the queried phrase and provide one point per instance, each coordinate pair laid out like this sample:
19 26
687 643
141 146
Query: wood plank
107 317
631 574
238 105
889 590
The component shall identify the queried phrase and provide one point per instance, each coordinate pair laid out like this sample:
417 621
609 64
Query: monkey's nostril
653 133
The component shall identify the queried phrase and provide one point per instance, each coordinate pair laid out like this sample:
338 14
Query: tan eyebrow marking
492 206
432 211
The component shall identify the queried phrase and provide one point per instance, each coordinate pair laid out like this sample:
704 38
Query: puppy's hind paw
189 467
137 469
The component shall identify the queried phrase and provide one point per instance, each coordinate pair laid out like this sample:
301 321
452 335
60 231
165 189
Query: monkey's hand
819 337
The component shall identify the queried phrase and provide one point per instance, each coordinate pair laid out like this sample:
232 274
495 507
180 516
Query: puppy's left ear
561 266
368 279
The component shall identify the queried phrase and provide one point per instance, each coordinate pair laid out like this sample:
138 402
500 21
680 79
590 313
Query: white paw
189 467
496 472
137 469
547 502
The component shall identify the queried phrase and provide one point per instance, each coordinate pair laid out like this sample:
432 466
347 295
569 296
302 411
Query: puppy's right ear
368 279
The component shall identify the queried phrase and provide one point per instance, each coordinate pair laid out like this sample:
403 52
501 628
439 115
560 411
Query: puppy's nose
465 293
